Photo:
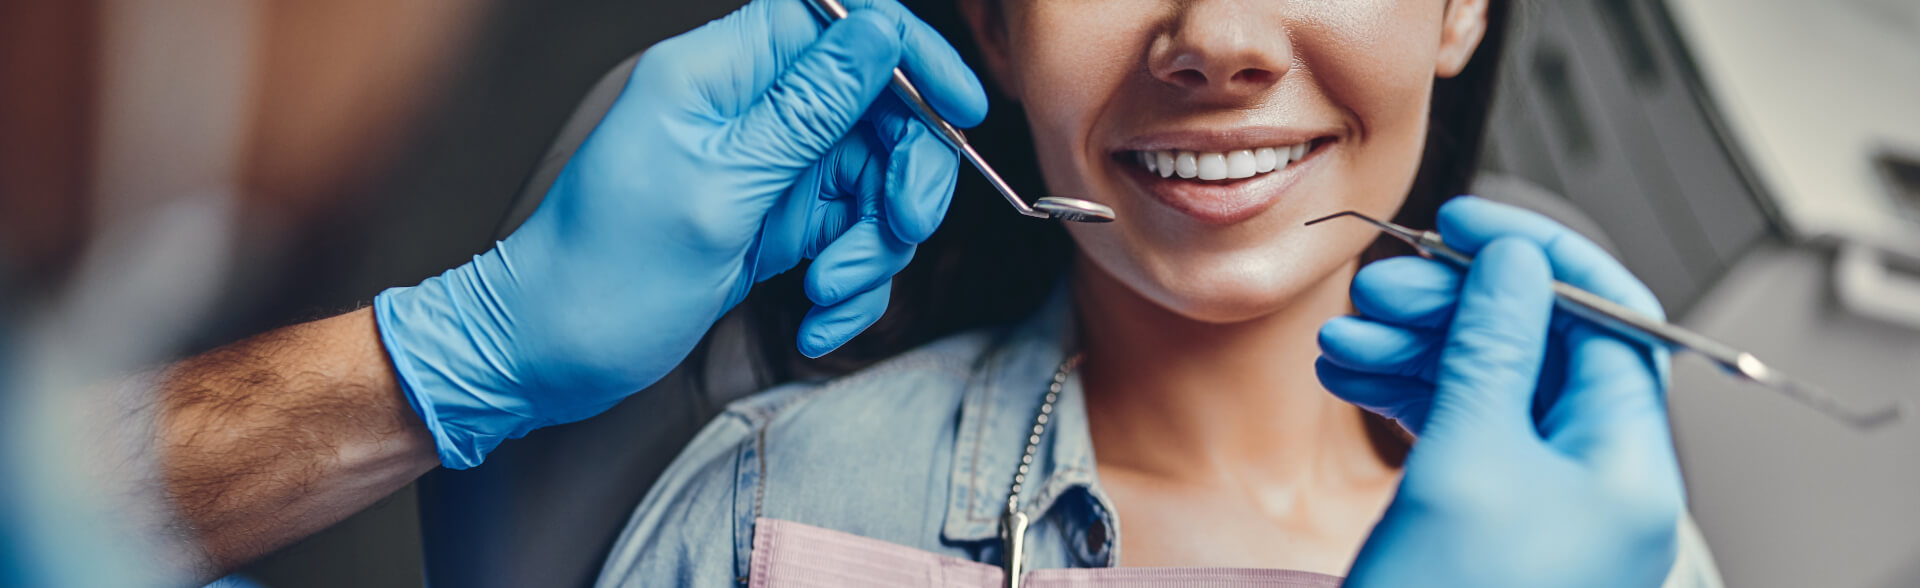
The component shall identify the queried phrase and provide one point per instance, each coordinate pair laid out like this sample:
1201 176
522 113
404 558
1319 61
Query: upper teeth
1234 165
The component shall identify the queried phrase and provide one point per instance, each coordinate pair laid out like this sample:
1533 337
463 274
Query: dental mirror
1074 209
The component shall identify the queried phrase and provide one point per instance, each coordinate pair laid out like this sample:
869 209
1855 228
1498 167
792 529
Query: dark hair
987 266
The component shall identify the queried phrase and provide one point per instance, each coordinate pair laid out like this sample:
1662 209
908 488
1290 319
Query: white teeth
1240 164
1213 166
1231 165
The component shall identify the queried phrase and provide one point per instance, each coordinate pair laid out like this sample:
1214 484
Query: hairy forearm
270 439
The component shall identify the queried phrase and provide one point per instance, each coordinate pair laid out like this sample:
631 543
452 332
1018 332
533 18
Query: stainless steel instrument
1649 330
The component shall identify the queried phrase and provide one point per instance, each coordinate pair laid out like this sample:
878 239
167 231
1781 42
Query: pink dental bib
793 555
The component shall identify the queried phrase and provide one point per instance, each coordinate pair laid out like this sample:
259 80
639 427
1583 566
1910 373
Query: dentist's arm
276 437
735 151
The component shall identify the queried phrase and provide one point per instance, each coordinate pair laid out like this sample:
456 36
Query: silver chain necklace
1013 524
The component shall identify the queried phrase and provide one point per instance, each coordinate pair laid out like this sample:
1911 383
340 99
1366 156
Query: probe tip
1876 418
1333 216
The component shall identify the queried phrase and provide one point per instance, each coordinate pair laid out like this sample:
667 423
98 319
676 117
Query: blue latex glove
735 151
1544 456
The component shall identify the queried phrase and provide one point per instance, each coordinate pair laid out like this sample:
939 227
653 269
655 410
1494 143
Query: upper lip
1221 140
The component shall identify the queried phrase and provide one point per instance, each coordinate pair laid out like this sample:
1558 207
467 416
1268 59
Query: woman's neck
1175 398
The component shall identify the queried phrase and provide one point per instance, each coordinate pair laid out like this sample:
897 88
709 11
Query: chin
1227 301
1226 289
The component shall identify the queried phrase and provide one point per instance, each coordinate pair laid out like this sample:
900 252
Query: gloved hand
735 151
1544 456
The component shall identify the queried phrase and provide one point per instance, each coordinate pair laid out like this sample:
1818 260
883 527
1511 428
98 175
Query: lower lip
1222 203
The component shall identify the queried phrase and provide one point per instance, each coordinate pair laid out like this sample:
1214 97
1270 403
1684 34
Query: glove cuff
440 353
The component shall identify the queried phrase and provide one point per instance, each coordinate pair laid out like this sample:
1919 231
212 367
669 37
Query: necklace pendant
1013 536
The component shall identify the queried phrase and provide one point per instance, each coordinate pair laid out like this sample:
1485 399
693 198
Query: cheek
1073 57
1375 59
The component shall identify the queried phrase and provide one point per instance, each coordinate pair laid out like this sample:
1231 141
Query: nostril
1188 78
1254 77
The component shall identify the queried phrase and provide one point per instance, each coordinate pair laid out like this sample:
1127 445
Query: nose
1223 49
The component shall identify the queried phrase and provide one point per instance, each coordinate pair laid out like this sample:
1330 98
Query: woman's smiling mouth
1221 187
1230 165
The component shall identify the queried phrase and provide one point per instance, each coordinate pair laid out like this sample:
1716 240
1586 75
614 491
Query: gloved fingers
1612 411
868 253
858 184
822 203
1490 365
1612 421
933 65
832 218
861 259
921 172
827 327
1408 291
1469 223
1404 399
817 99
1364 345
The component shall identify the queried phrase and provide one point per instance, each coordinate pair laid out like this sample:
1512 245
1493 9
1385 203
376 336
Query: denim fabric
919 450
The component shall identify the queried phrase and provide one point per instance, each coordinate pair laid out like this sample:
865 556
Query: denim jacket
920 451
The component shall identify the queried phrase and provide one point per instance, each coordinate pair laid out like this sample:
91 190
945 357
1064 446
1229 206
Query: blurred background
176 175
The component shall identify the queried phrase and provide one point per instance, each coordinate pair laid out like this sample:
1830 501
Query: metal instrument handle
1607 313
1651 331
907 91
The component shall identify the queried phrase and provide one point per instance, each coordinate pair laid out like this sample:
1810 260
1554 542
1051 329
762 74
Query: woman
1177 344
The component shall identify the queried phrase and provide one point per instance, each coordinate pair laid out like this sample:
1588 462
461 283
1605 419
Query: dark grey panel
1565 91
1599 105
1622 82
1709 180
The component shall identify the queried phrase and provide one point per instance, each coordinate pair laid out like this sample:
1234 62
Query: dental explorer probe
1067 209
1646 329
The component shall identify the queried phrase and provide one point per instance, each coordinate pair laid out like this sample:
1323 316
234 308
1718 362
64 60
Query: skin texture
278 436
1215 439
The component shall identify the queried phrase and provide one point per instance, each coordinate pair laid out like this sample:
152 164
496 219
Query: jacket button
1097 537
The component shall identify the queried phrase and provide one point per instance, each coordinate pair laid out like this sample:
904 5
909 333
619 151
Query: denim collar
997 415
